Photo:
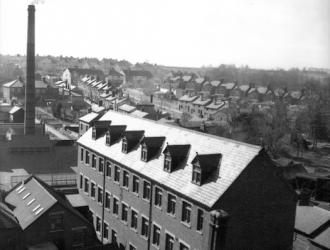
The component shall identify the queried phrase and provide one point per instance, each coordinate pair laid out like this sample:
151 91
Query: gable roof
14 84
310 218
202 101
187 98
229 85
215 83
236 156
88 118
15 109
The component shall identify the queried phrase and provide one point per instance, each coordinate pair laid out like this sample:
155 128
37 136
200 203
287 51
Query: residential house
156 186
45 216
279 93
74 75
198 106
185 102
207 87
252 94
225 89
126 109
13 90
265 94
215 86
86 121
240 91
293 97
16 115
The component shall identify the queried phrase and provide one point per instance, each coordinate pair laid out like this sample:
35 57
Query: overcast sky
259 33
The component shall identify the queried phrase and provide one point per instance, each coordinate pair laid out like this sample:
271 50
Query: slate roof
323 239
90 117
155 141
236 156
208 162
262 90
202 102
14 84
187 98
310 218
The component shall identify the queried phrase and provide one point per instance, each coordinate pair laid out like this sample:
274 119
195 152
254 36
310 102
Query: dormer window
94 133
124 146
144 153
107 138
197 175
168 163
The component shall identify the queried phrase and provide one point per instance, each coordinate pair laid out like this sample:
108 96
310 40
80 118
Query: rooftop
90 117
127 108
187 98
215 83
323 239
14 84
15 109
235 156
229 85
202 101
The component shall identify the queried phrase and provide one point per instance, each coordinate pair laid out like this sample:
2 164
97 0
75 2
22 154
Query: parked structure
151 186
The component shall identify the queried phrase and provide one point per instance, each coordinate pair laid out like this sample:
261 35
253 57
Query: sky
192 33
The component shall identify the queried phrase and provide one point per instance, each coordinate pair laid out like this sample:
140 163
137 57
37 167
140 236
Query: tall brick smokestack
29 123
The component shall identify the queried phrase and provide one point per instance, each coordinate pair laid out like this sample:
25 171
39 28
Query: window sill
144 237
200 232
156 246
146 200
159 207
124 222
136 194
186 224
125 188
134 229
170 214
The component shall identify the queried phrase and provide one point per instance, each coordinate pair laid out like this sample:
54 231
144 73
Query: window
136 183
167 163
98 224
124 145
99 195
94 133
145 227
183 246
107 200
125 178
86 185
144 153
196 176
200 218
115 206
108 169
81 181
124 212
92 189
169 242
56 221
81 154
113 236
105 231
93 161
134 219
158 197
171 204
87 157
117 173
101 164
107 139
81 126
146 190
186 212
156 235
131 247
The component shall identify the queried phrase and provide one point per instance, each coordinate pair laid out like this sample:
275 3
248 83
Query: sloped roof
235 156
229 85
200 80
262 90
139 113
14 84
40 85
7 219
216 105
82 71
323 239
201 101
208 162
15 109
186 78
76 200
30 201
244 87
215 83
127 108
310 218
90 117
187 98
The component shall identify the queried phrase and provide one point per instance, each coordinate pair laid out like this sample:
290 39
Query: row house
196 84
74 75
156 186
216 111
185 102
198 106
86 121
225 89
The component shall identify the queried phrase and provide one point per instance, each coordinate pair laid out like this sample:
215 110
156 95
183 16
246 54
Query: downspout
150 213
103 201
218 224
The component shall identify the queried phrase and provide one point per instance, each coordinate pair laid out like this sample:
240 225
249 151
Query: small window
124 145
81 154
200 219
167 163
86 188
107 200
108 169
186 212
125 178
134 219
136 183
131 247
117 173
145 227
101 164
113 236
196 175
94 133
169 242
183 246
156 235
146 190
100 195
98 224
81 181
171 202
115 206
107 138
87 157
93 161
158 197
105 231
93 189
124 212
144 153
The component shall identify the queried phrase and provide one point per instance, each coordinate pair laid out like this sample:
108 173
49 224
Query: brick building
155 186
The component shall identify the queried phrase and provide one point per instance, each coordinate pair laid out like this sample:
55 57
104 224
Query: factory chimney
29 123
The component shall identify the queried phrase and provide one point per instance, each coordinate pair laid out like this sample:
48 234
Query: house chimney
29 123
